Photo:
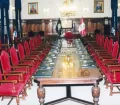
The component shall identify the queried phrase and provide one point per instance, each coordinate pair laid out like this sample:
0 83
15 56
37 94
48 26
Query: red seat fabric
23 58
69 35
113 80
7 69
12 89
106 59
9 91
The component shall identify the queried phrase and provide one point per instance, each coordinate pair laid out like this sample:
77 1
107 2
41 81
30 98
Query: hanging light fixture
68 9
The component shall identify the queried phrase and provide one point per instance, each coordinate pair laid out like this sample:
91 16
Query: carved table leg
95 93
41 94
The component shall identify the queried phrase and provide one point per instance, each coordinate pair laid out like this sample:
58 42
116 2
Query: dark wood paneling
49 25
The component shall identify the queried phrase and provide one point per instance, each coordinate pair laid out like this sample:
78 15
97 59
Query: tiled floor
82 92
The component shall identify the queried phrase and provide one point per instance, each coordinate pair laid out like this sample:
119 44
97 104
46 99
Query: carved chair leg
107 83
25 90
101 73
18 100
2 98
31 82
105 80
111 90
23 94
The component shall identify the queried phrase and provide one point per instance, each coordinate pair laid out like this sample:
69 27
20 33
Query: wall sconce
46 10
86 9
118 4
12 8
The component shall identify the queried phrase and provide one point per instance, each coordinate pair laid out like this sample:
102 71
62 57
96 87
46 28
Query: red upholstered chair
33 47
101 50
69 37
113 80
24 59
99 41
23 66
101 58
45 48
16 74
38 40
33 55
105 52
94 44
104 48
14 89
14 56
28 52
112 69
114 52
110 65
109 50
97 46
38 44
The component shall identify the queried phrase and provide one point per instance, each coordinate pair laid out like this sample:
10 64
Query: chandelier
68 9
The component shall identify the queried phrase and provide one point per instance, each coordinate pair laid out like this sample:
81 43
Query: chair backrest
31 43
0 75
69 35
101 40
26 47
21 52
119 58
39 39
98 39
110 46
115 50
5 62
14 56
106 43
36 41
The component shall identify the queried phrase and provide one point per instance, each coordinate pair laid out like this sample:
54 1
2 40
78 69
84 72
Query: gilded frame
98 6
33 8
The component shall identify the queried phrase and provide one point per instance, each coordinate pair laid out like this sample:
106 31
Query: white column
12 9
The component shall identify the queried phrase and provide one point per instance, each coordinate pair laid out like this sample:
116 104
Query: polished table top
69 68
91 79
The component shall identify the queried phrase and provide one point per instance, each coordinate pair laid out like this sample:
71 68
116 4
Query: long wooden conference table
68 64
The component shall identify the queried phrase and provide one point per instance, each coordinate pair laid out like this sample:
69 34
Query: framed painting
67 24
33 8
98 6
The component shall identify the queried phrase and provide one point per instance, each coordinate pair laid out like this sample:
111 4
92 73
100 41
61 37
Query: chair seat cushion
7 89
113 80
